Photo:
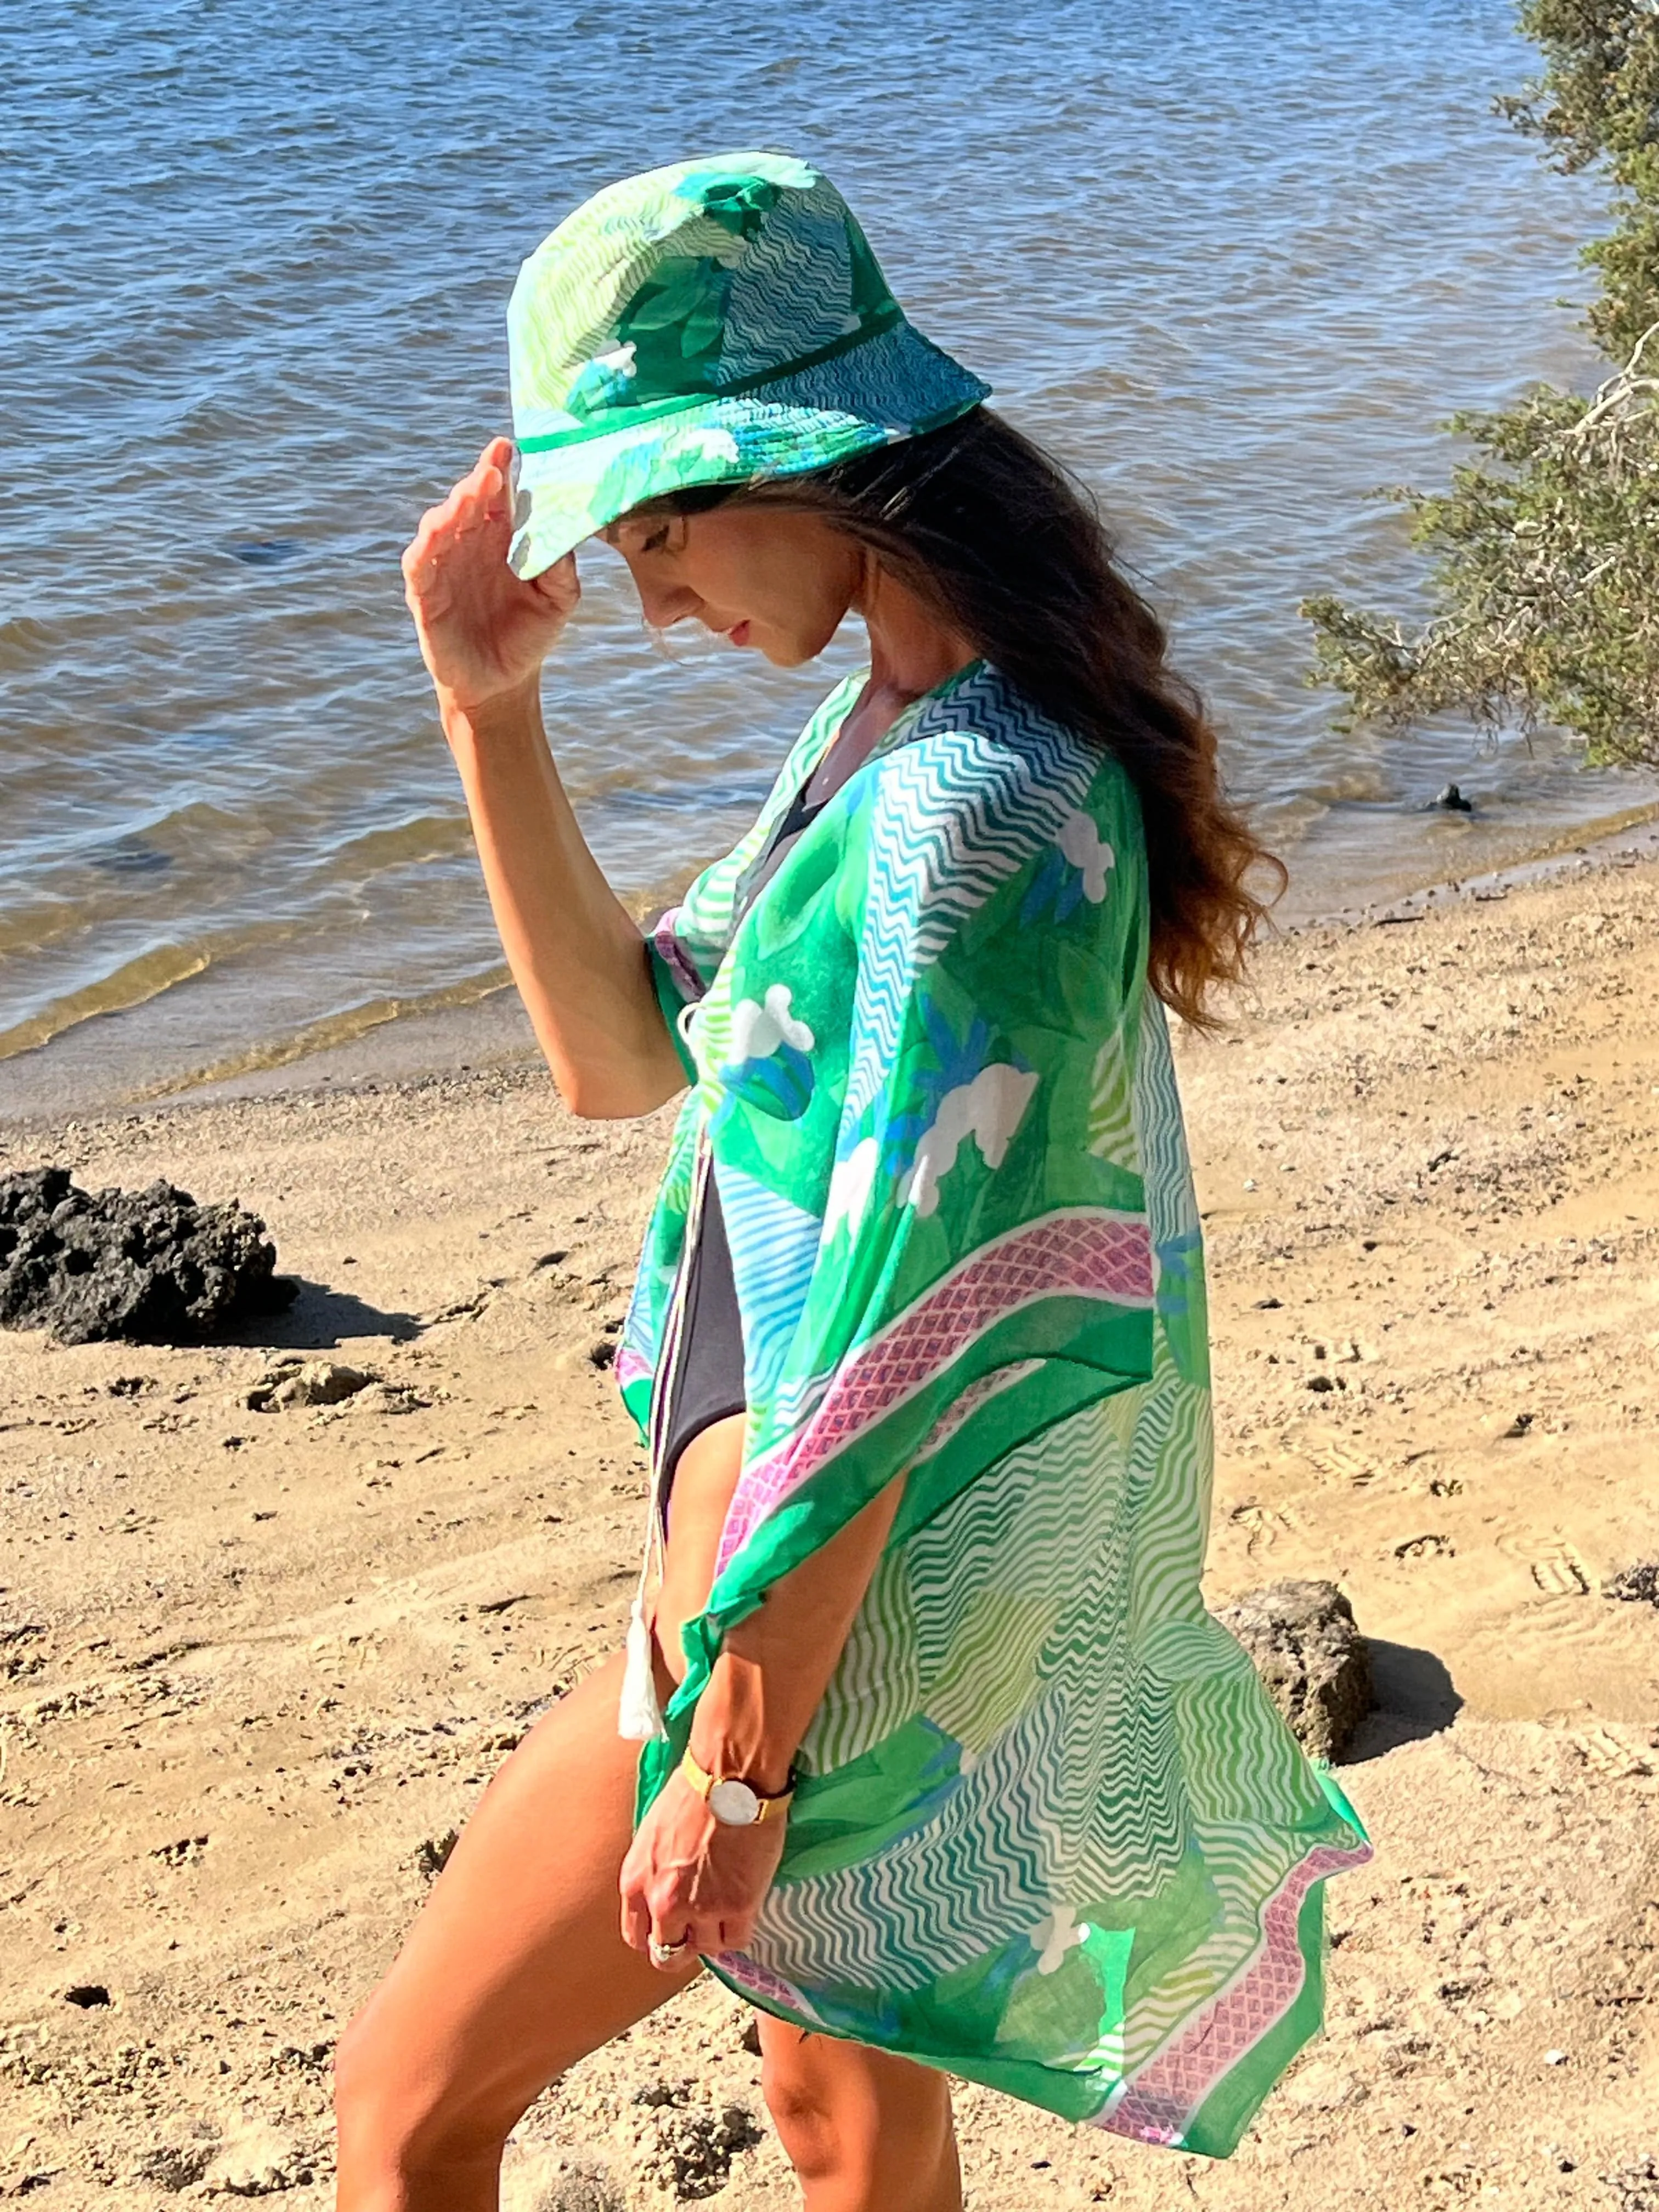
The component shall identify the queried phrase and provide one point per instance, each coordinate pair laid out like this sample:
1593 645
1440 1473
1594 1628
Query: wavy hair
1011 552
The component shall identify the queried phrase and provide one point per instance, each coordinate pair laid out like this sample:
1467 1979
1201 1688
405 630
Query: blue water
1234 260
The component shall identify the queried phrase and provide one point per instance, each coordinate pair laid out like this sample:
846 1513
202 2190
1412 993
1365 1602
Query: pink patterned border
1085 1252
762 1982
673 956
1157 2106
630 1366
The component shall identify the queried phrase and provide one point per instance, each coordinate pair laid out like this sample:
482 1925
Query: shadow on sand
1413 1696
321 1319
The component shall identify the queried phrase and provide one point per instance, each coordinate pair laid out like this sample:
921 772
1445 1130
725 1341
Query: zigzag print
1246 1764
1083 1251
1029 1517
1171 1203
789 293
977 1875
894 378
981 784
1138 1836
876 1687
775 1249
1169 1480
1112 1133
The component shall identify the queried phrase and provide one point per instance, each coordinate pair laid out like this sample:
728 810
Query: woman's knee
874 2125
397 2111
804 2106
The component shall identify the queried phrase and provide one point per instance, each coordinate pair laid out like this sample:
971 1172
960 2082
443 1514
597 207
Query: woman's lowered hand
483 632
690 1883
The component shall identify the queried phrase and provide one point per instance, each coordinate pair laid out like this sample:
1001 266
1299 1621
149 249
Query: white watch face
734 1804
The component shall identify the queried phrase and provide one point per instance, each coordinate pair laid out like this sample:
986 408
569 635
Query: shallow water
1234 260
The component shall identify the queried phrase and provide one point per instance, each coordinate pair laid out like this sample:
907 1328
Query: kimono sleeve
941 1059
676 979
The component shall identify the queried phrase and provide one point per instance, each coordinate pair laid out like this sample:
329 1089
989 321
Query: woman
954 1767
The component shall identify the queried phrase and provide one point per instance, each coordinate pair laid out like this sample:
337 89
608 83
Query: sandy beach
261 1663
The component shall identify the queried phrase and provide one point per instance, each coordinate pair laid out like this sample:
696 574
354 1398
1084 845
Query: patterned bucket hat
706 323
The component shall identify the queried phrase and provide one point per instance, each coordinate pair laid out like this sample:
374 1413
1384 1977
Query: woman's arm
687 1879
578 959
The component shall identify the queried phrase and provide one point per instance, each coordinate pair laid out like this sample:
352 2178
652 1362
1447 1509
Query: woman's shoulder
981 740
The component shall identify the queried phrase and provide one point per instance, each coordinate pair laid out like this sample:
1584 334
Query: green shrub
1545 551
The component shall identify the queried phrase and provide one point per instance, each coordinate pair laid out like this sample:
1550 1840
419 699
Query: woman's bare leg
865 2131
514 1969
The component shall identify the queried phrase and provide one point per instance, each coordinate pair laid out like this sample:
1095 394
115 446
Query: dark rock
175 2167
1311 1657
87 1995
433 1855
1637 1585
148 1265
1451 800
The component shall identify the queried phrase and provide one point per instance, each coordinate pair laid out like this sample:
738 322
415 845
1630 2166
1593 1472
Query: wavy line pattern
1089 1752
981 784
1085 1252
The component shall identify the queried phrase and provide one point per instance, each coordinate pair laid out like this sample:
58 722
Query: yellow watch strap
772 1808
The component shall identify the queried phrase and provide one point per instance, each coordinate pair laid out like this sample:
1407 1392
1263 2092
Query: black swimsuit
707 1384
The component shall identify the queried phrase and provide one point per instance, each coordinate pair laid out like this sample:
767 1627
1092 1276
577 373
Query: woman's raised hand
483 632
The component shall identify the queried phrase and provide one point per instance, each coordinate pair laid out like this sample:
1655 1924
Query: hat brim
893 385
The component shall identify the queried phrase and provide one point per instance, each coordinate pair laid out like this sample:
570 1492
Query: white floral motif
707 445
619 360
989 1109
758 1029
1085 848
1055 1934
851 1181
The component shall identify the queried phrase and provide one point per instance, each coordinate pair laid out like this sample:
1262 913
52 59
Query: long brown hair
986 529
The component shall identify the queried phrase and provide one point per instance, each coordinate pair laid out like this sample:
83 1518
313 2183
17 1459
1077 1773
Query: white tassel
638 1713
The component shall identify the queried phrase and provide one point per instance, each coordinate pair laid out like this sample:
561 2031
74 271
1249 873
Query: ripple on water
1235 259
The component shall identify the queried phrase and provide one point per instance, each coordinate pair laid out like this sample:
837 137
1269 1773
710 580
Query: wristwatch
736 1804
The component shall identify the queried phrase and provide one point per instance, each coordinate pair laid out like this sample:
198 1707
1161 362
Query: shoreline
260 1662
490 1030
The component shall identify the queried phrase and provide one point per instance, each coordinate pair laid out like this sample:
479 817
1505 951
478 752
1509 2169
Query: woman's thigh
515 1967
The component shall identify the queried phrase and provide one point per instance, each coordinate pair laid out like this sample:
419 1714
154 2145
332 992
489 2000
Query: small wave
427 837
130 985
335 1030
26 644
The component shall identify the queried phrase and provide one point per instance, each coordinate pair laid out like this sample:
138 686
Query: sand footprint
1554 1565
1341 1464
1609 1755
1262 1525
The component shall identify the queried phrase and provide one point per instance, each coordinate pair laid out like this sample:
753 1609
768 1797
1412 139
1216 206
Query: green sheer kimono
1050 1834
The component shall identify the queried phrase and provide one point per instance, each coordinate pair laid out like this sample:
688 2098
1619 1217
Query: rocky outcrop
150 1266
1311 1657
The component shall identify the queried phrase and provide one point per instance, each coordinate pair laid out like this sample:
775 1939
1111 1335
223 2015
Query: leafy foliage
1544 550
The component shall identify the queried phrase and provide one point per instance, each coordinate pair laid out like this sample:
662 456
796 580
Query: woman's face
781 583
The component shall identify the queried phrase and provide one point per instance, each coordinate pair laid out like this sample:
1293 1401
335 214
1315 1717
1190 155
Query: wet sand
260 1664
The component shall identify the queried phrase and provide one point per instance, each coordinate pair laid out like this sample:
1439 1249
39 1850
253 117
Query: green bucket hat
709 323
